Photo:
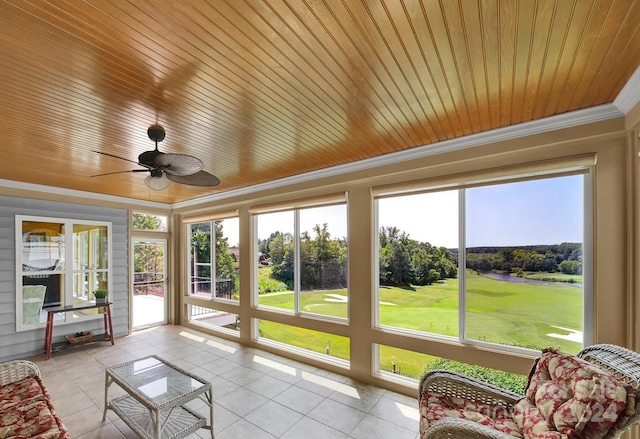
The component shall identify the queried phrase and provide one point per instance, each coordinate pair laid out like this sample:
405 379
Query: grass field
511 313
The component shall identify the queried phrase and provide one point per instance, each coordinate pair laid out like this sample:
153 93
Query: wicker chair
15 370
621 362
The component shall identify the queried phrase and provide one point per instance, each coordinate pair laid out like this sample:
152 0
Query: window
214 269
302 260
404 365
213 318
45 279
149 221
320 344
491 263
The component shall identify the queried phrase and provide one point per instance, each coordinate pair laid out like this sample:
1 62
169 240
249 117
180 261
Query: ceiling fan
163 168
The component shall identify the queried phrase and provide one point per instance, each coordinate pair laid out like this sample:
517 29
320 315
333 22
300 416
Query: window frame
296 206
211 220
504 176
68 272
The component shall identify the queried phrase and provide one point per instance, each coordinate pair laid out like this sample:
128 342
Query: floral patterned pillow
569 397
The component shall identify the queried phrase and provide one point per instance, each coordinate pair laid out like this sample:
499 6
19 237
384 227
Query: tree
225 263
281 257
324 260
395 260
143 221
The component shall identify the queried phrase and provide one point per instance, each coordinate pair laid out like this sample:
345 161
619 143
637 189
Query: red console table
48 334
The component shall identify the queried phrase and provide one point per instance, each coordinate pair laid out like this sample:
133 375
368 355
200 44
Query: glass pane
276 257
90 247
227 259
409 364
149 262
414 365
147 221
43 256
213 318
524 263
149 282
200 259
42 246
323 261
318 342
418 262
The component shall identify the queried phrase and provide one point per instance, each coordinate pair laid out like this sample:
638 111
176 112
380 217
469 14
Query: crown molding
48 190
629 96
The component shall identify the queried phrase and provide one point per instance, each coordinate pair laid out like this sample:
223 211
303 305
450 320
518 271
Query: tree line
403 261
564 258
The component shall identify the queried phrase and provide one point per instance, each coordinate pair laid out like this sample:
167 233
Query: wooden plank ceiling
262 90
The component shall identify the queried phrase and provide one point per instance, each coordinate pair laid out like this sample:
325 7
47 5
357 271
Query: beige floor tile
257 394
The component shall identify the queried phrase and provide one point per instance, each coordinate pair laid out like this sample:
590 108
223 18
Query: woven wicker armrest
462 429
15 370
454 384
623 364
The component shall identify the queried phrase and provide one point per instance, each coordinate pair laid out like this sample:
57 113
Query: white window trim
68 272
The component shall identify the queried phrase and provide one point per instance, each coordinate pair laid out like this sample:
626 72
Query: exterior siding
27 343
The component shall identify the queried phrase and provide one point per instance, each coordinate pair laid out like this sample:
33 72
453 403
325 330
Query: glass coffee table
156 393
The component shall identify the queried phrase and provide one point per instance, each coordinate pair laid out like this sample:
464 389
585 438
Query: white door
149 258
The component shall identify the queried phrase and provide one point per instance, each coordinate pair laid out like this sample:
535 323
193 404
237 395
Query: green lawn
519 314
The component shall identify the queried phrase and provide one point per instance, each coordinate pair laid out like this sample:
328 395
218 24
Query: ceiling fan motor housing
156 133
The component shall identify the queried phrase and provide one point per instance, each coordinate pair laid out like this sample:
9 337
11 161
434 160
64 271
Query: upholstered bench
592 395
26 409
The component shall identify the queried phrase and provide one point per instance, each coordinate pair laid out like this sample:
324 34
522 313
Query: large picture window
45 279
500 263
302 259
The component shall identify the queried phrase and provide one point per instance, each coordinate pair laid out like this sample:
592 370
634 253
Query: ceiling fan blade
200 178
178 164
121 172
114 156
127 160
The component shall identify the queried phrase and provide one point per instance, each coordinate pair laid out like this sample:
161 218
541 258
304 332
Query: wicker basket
79 337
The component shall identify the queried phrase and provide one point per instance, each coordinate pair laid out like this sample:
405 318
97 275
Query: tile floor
257 395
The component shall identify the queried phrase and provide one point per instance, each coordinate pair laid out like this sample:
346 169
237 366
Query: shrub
269 285
506 380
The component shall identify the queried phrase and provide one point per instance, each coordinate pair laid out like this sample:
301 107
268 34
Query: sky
547 211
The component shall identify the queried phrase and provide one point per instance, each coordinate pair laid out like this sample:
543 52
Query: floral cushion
434 407
567 397
26 412
15 393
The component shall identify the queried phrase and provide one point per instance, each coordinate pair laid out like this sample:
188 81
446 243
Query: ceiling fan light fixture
157 181
178 164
